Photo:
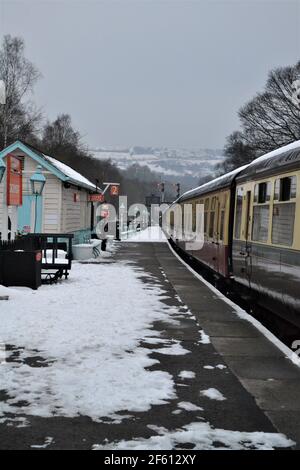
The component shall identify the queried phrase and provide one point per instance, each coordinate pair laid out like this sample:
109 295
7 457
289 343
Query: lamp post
3 225
37 182
2 171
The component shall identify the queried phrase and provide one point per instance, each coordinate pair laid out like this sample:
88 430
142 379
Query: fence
20 244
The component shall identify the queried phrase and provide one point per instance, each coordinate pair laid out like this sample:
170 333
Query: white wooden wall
61 214
75 215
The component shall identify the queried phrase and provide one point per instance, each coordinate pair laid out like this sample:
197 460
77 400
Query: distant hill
185 166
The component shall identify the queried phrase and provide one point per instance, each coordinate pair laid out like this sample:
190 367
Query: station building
65 205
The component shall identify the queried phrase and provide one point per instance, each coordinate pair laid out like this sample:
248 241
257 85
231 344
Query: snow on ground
203 436
186 405
47 443
174 349
218 366
87 331
187 374
150 234
213 394
204 337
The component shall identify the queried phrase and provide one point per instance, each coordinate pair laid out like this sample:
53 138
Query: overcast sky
148 72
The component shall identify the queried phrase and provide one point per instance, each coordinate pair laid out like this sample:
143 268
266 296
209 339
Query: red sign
14 181
114 190
96 197
38 256
76 197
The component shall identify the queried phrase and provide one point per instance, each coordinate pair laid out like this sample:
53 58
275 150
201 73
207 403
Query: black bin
21 268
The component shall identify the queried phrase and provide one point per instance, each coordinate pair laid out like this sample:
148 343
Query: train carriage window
288 188
293 187
211 224
256 193
205 222
276 190
212 217
260 228
238 213
194 209
222 220
206 207
283 224
264 192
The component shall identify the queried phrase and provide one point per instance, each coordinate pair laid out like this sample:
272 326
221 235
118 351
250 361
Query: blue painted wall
25 211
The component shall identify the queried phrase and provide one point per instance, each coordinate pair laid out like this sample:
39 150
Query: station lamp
2 168
37 182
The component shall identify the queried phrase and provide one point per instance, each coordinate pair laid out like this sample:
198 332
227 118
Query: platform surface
260 382
260 386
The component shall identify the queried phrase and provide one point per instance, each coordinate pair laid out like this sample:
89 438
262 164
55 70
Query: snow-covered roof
286 148
74 176
286 158
259 164
61 170
216 183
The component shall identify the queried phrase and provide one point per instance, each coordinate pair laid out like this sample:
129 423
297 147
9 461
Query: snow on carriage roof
274 153
286 157
226 179
213 184
70 173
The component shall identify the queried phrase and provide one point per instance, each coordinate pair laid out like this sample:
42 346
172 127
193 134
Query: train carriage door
217 236
248 254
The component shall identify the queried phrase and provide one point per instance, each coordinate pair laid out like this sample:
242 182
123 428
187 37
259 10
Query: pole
35 213
162 186
4 228
5 125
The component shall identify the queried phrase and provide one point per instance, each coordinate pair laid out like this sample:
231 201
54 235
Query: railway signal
162 190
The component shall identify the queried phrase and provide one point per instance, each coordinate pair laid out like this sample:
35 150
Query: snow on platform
138 354
152 234
87 329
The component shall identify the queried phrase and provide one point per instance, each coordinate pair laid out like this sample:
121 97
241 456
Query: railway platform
260 384
148 356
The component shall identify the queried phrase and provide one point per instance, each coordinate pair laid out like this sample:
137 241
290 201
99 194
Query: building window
283 224
260 228
238 213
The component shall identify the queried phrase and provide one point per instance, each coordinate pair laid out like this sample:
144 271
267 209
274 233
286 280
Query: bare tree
237 152
60 134
272 118
18 118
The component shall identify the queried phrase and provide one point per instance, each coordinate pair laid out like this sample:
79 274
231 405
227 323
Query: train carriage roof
284 159
222 182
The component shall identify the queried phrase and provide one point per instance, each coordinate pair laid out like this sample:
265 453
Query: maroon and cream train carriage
217 198
252 229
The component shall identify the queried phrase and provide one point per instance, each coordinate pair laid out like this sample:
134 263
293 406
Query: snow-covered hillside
182 165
